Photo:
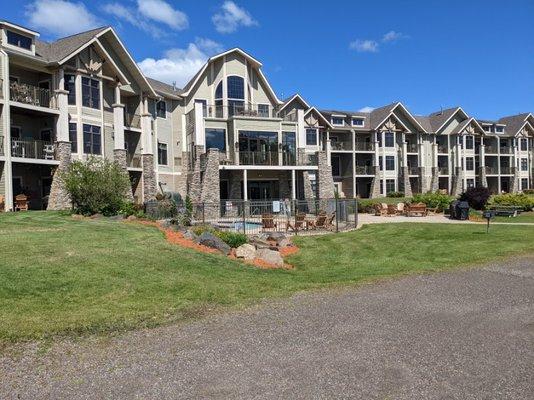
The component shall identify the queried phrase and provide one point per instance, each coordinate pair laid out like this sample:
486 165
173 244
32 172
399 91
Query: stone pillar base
457 182
325 180
375 184
195 183
119 156
482 179
210 194
514 184
405 185
434 183
149 177
59 199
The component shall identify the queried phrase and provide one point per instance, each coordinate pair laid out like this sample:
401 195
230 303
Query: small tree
477 197
96 186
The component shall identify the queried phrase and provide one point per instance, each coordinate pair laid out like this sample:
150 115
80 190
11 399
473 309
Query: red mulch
179 239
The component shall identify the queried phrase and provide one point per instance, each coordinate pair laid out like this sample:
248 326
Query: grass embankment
60 276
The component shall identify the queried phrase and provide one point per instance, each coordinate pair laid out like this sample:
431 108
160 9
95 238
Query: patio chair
417 209
392 210
319 222
48 151
329 223
21 202
2 203
381 209
267 222
300 219
401 209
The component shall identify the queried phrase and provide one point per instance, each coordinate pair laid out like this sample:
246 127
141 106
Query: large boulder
270 256
246 251
189 234
210 240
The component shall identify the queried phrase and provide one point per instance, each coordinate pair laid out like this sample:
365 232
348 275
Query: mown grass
523 217
60 276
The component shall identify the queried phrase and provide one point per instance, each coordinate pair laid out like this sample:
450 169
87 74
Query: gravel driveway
465 334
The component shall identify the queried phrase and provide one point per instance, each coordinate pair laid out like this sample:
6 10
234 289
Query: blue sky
338 54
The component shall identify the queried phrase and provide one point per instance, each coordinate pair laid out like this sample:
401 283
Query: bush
528 191
477 197
232 239
521 200
129 208
96 186
395 194
434 200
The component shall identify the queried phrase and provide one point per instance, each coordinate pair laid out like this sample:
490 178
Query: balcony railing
132 120
489 149
442 148
443 171
412 148
506 170
33 95
413 170
492 170
364 170
29 148
507 150
243 110
258 158
133 160
341 145
365 146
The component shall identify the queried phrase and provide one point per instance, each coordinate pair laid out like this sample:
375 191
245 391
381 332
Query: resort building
226 134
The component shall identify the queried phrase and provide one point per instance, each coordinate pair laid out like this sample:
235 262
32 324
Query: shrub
96 186
521 200
395 194
477 197
433 200
232 239
129 208
528 191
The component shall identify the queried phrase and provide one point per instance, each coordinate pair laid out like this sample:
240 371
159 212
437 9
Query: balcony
443 171
341 146
490 149
132 120
492 170
365 146
32 95
133 160
413 170
507 150
240 110
258 158
364 170
1 145
30 148
412 148
442 148
505 170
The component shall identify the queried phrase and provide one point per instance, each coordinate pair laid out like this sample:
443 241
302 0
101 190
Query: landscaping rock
165 223
246 251
210 240
132 218
270 256
77 217
96 216
190 235
116 217
284 242
275 236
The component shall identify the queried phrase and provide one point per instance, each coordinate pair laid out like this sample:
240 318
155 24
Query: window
289 146
524 164
469 142
390 163
524 183
263 110
73 137
470 164
336 166
219 101
16 39
216 139
161 109
524 144
338 121
499 129
390 185
390 139
311 137
70 86
162 153
470 183
487 128
236 87
357 122
92 139
90 92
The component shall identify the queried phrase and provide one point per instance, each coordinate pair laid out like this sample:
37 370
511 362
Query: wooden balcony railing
442 148
33 95
413 170
30 148
1 145
506 170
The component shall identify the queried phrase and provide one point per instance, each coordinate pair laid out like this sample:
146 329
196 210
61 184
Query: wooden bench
506 211
418 209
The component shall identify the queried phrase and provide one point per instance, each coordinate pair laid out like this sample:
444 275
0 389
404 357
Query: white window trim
268 108
157 152
156 109
102 150
316 137
359 118
100 94
337 116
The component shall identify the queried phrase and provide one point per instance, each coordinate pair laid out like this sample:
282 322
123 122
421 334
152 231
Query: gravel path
465 334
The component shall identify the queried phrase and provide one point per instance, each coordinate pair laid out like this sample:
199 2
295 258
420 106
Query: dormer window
357 121
499 129
16 39
487 128
337 121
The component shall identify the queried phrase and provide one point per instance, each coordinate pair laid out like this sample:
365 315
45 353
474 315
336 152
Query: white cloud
131 16
364 46
60 17
231 17
366 109
393 36
161 11
179 65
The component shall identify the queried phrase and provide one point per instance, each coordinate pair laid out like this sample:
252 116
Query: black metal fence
252 217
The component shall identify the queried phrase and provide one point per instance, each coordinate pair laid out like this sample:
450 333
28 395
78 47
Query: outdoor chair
329 224
2 203
381 209
267 222
320 221
300 220
401 209
392 210
418 209
21 202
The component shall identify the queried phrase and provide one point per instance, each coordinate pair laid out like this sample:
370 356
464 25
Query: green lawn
523 217
60 276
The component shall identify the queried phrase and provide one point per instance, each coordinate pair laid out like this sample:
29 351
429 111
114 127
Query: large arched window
219 113
236 94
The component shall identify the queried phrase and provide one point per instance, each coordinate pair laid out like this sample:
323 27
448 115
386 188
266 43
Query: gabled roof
56 51
514 123
321 116
297 97
438 119
381 114
164 88
187 88
461 126
424 121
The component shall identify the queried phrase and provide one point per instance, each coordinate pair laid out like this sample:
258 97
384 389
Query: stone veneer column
457 181
308 191
514 184
406 186
211 192
285 186
59 199
149 177
375 183
434 183
195 183
235 186
325 180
